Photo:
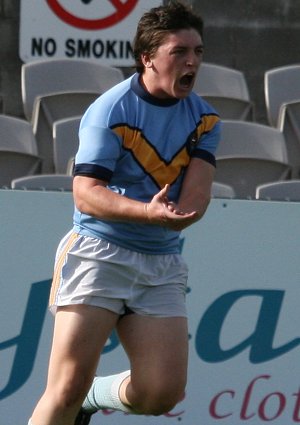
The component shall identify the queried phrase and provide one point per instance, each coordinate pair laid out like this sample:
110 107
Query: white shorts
98 273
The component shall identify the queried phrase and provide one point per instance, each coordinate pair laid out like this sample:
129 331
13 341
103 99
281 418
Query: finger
165 190
180 216
173 207
162 195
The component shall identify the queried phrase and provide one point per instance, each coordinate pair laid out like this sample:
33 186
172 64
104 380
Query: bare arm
195 192
92 197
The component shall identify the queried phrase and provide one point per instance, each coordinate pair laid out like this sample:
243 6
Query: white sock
104 394
29 422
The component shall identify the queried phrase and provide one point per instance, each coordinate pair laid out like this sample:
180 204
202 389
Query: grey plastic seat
289 124
17 135
226 89
281 85
70 166
220 80
230 108
254 139
44 77
65 142
280 191
250 154
59 182
51 108
244 173
221 190
15 164
18 149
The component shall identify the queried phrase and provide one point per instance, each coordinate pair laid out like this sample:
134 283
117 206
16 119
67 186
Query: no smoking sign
100 30
121 10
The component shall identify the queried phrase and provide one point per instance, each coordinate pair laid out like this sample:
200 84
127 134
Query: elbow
82 206
199 212
203 205
80 202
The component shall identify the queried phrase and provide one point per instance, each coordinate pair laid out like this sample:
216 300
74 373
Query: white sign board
100 30
243 306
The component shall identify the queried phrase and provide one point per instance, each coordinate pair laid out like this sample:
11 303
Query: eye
178 52
199 51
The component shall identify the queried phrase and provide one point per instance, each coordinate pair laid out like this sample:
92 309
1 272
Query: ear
146 60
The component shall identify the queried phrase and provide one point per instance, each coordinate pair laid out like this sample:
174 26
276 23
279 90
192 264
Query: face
171 72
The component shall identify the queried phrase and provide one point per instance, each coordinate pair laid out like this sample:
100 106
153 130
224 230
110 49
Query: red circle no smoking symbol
121 10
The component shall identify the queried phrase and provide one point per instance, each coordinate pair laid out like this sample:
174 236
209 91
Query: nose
192 59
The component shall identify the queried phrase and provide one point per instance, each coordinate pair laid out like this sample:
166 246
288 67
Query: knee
158 402
70 391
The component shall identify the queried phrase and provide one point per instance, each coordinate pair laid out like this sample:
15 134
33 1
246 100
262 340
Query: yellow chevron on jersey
207 124
148 158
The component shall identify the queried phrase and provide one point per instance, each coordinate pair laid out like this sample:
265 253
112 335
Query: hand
166 213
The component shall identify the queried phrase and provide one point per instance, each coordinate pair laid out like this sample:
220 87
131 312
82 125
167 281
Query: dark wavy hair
160 21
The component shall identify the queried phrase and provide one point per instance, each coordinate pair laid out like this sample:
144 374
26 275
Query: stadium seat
44 77
289 124
59 182
254 139
17 135
65 142
244 173
221 190
17 164
230 108
226 90
51 108
281 85
18 149
279 191
70 166
250 154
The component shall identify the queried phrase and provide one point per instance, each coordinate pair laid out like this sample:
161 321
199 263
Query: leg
80 333
158 352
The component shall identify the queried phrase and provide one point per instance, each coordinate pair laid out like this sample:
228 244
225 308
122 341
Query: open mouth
187 80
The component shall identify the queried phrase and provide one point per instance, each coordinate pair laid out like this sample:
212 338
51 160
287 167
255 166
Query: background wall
249 35
10 64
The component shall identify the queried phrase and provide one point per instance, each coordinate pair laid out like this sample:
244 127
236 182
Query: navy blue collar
140 91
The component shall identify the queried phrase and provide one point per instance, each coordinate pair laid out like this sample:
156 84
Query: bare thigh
80 333
158 352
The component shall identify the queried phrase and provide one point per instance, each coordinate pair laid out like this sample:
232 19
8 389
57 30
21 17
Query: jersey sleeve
99 150
209 135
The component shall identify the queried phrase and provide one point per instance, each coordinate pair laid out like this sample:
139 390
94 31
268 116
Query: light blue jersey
138 143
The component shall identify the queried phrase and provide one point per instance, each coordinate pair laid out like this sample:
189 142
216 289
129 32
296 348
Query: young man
143 173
